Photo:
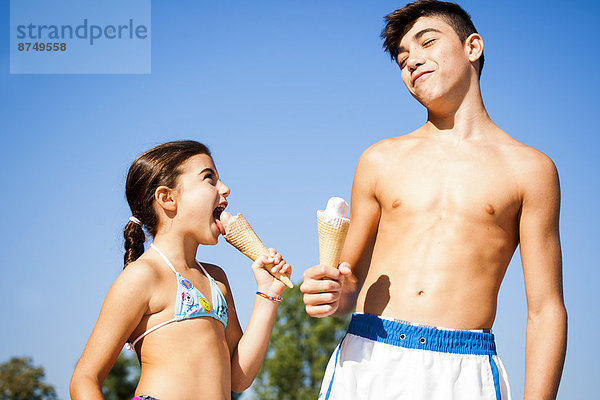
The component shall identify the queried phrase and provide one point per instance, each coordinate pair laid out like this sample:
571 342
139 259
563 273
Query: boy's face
434 62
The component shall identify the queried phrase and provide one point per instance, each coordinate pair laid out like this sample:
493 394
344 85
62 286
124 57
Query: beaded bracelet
266 296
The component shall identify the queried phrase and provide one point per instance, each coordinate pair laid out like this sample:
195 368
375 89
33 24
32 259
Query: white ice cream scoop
336 208
224 220
333 224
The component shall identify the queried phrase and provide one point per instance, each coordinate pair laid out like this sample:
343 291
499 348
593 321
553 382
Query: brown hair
400 21
159 166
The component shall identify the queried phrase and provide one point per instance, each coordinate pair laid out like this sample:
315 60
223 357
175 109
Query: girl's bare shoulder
144 272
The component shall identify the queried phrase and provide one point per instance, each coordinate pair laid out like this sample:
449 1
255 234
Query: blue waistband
409 336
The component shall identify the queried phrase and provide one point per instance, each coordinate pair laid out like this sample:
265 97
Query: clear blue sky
287 95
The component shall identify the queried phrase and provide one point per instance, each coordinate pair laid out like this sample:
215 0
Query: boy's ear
474 47
165 198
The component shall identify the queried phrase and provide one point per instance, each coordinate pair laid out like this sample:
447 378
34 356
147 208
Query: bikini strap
203 269
171 265
131 346
164 257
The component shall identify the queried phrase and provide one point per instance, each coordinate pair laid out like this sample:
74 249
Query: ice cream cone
240 234
332 235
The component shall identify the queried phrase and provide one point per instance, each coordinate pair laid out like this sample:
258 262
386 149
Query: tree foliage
121 381
20 380
298 353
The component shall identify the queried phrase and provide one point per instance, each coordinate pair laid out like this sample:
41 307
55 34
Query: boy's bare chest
472 185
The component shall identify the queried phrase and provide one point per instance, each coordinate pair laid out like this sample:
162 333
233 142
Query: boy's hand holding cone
320 300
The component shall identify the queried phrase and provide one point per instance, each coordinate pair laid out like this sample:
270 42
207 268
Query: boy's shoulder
379 151
533 171
526 158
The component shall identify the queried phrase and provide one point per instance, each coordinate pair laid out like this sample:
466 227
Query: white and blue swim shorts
381 358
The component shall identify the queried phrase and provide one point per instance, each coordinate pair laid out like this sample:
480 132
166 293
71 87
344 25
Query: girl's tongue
220 226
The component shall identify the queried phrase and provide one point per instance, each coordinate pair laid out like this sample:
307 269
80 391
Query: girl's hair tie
135 221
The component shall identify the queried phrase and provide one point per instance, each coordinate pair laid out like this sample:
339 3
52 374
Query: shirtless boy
436 216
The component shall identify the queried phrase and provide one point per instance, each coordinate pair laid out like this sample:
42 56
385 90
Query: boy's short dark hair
400 21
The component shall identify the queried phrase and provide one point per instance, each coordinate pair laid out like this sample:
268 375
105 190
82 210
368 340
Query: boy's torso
447 230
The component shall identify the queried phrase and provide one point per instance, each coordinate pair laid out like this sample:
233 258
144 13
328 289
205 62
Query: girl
176 313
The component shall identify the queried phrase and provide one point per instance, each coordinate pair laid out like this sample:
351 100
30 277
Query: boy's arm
331 291
364 221
542 268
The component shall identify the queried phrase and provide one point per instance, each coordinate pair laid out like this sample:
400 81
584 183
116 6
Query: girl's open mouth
216 215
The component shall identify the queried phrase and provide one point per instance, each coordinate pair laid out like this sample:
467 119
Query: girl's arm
123 308
248 349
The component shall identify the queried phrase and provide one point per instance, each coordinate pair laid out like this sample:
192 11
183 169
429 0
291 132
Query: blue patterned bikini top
190 302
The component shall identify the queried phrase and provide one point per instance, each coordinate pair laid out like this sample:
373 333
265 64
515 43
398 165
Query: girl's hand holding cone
265 268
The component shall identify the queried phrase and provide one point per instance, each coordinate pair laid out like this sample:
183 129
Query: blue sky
287 95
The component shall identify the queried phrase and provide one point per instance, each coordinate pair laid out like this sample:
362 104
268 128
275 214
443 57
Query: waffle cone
332 236
241 235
